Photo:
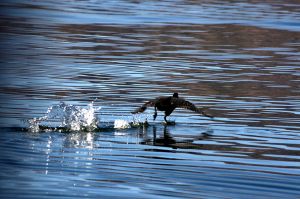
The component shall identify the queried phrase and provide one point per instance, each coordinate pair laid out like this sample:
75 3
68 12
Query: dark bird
168 105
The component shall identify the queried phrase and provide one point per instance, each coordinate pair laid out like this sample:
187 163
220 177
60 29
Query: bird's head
175 95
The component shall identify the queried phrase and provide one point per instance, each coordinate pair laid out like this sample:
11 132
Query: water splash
67 116
121 124
140 119
34 126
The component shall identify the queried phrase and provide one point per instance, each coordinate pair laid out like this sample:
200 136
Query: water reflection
151 159
80 140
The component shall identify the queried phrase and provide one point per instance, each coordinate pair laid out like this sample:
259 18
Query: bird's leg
168 122
155 113
165 118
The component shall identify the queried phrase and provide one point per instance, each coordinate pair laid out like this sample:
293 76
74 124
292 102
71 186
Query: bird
168 105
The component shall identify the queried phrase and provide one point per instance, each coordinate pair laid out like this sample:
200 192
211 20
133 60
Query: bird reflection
167 140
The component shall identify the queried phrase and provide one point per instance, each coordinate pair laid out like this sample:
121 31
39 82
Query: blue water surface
238 58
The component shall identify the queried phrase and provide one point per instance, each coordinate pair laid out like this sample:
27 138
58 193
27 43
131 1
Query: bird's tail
143 108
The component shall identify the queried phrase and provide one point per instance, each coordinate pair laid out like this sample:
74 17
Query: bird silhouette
168 105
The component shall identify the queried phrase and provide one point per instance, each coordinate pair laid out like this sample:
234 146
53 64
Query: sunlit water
72 71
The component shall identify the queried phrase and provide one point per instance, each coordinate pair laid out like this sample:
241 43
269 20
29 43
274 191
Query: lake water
81 66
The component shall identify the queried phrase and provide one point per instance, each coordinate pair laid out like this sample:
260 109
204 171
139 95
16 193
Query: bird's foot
154 116
169 123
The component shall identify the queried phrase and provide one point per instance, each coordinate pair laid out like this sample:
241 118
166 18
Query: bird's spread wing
182 103
144 107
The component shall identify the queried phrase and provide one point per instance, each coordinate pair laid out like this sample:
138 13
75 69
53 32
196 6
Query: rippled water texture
72 71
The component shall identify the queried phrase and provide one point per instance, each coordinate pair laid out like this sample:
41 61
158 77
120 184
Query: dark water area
78 63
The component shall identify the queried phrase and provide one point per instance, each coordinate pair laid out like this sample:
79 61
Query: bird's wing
182 103
144 107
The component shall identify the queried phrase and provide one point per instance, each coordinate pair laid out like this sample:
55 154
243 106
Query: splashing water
139 119
121 124
68 116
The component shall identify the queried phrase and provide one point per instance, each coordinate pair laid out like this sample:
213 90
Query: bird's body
168 105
